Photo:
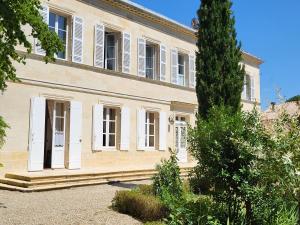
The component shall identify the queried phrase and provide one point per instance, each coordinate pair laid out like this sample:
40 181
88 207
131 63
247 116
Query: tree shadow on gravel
122 184
2 206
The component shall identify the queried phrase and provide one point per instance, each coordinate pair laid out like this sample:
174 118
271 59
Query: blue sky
269 29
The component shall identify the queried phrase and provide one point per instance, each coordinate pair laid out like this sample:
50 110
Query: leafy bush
140 206
167 181
287 216
3 127
145 189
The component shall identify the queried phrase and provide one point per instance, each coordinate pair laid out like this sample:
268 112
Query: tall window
109 127
150 61
150 130
58 24
181 70
248 93
110 51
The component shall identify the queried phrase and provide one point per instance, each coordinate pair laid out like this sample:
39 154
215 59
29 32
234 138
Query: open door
36 134
75 135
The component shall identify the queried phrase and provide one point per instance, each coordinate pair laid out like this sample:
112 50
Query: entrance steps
46 181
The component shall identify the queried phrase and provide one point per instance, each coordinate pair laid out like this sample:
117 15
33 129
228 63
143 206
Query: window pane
104 126
149 61
52 17
62 23
181 69
151 117
104 140
111 53
151 141
180 80
59 109
112 114
62 36
151 129
112 127
110 40
61 55
104 113
111 64
112 140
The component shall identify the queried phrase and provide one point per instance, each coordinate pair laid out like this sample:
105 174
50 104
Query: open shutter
163 123
44 12
192 71
141 57
163 62
125 129
252 88
97 127
174 66
75 135
126 53
99 45
77 55
141 117
36 134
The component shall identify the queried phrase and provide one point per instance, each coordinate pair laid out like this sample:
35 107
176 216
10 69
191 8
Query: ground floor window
109 127
150 130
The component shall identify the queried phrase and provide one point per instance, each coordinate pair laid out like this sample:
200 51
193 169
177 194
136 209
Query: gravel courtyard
77 206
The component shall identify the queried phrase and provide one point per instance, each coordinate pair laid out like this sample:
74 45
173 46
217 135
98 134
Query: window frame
184 69
107 121
56 29
147 124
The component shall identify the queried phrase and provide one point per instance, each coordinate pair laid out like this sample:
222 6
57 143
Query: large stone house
119 96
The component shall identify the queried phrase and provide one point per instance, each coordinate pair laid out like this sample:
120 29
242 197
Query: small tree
219 72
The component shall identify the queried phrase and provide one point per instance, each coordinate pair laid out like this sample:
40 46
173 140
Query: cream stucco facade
130 93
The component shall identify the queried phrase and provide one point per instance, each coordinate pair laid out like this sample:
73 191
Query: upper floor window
150 130
109 127
181 70
248 88
110 51
58 24
151 58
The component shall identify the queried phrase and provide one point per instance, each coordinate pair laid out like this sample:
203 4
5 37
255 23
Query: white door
75 135
181 142
37 134
58 140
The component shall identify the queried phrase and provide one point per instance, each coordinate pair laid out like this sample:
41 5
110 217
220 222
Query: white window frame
178 74
147 130
154 56
115 49
56 30
107 134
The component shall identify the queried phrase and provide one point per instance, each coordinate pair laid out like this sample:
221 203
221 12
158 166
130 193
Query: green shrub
140 206
145 189
3 127
155 223
287 216
167 181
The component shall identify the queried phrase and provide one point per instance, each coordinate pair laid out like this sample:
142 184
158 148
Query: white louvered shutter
75 135
36 134
163 62
125 129
252 88
77 55
141 117
192 71
99 46
44 12
97 127
126 52
141 57
163 127
174 66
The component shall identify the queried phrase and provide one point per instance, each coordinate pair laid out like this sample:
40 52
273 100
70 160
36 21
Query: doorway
55 134
181 140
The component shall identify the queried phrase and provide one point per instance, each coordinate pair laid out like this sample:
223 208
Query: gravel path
78 206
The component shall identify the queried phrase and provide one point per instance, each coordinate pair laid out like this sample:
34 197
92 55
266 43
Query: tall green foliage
14 15
219 72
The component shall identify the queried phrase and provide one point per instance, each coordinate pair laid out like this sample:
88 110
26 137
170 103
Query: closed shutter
163 123
99 46
44 12
77 55
174 66
141 119
163 62
126 53
36 134
125 129
141 57
252 88
75 135
97 127
192 71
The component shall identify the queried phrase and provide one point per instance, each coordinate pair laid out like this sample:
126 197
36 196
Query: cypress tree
220 75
